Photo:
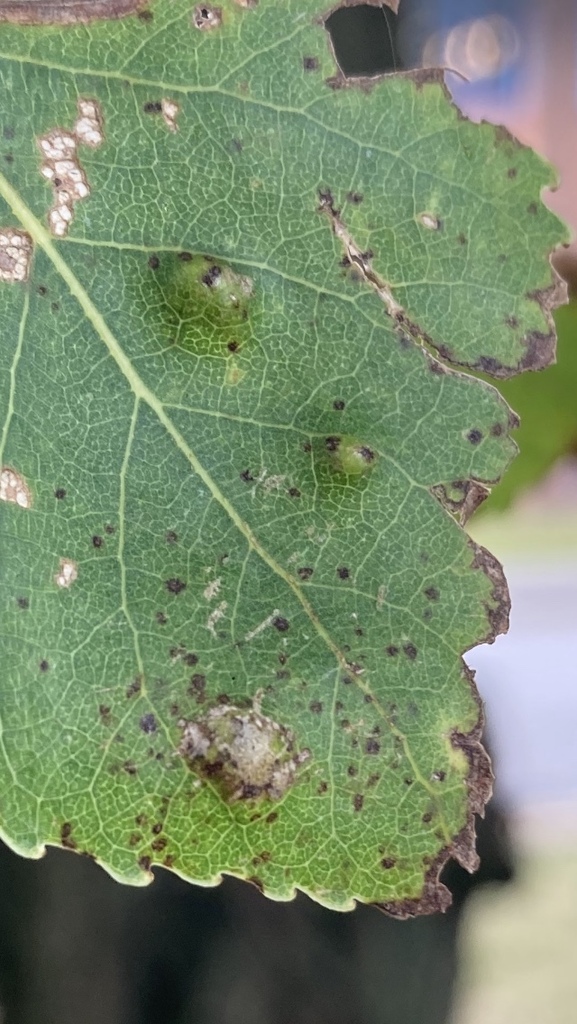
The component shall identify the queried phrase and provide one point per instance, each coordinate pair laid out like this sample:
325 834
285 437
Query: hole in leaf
365 40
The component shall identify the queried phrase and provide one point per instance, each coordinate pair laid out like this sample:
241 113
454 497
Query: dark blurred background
75 946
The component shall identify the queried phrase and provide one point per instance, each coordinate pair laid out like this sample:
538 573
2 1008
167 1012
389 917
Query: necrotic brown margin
65 12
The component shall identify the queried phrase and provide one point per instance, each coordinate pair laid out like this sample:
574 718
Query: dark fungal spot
439 776
54 306
23 603
9 158
512 172
145 15
475 436
104 712
144 862
305 573
171 537
42 290
8 132
152 107
174 709
345 724
154 262
359 631
271 818
411 651
148 723
392 651
388 862
372 746
161 618
283 673
307 446
358 801
316 707
343 573
223 698
159 844
432 593
97 541
59 493
322 787
247 476
512 322
282 658
338 404
332 443
233 346
294 492
185 257
311 63
373 779
427 614
190 659
44 666
130 768
427 817
496 430
462 239
368 698
169 860
197 687
281 624
134 687
175 586
352 771
339 705
408 781
109 529
532 209
66 836
212 276
236 145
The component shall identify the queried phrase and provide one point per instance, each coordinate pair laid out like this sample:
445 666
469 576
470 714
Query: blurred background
74 946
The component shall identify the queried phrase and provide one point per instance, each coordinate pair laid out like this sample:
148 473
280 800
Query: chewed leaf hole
365 40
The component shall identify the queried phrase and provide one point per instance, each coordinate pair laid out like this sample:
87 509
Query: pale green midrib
13 367
122 536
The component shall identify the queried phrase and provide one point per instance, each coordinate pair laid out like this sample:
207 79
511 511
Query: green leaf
234 596
548 411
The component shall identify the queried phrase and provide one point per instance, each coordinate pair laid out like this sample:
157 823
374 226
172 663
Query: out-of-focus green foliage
547 405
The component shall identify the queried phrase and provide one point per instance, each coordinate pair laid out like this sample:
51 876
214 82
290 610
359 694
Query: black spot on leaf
475 436
175 586
44 666
59 493
372 746
281 624
311 63
148 723
410 651
358 801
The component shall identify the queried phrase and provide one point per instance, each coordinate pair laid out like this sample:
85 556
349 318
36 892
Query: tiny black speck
392 651
44 666
372 746
311 63
59 493
175 586
343 573
23 603
97 542
185 257
411 651
154 263
432 593
316 707
145 15
294 492
280 623
148 723
152 107
247 476
358 801
305 573
338 404
475 436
